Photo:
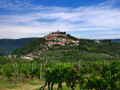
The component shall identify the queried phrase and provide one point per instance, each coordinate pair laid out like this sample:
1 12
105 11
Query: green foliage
86 50
1 69
71 37
62 32
75 55
8 70
23 72
1 54
88 75
71 77
34 83
5 60
95 82
12 86
59 74
111 74
19 79
102 47
31 47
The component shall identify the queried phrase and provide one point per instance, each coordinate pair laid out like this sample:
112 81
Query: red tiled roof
48 36
58 32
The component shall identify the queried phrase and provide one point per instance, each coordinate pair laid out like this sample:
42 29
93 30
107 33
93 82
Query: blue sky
93 19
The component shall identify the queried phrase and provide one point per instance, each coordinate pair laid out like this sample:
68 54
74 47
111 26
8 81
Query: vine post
15 73
46 63
40 71
79 65
16 70
32 67
2 67
79 76
43 87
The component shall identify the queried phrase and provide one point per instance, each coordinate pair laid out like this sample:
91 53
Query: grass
63 88
27 85
30 85
11 86
5 84
66 88
35 83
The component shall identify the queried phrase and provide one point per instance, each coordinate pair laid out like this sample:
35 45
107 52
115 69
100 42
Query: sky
92 19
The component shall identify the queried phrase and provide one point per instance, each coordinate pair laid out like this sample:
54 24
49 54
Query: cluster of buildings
28 57
59 38
55 35
12 56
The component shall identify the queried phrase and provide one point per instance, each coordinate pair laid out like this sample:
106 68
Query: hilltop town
60 38
52 40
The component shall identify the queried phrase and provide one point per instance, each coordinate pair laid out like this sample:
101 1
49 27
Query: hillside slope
33 46
86 50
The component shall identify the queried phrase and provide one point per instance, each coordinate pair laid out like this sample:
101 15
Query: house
97 41
63 44
15 56
9 56
75 42
26 57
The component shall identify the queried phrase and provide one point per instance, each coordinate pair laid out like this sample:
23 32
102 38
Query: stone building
55 35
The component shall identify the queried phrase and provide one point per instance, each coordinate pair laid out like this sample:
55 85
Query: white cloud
15 4
109 37
108 3
42 19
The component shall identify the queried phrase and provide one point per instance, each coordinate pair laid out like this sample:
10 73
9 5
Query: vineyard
86 75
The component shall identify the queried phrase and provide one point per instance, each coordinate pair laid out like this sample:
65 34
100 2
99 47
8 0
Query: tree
1 54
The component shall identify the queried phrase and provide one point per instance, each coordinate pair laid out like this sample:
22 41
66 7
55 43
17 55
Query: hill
7 46
112 40
65 47
115 40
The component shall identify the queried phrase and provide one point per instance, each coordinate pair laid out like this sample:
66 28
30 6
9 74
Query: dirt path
30 87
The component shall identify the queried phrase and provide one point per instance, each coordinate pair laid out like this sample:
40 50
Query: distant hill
115 40
33 46
111 40
7 46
